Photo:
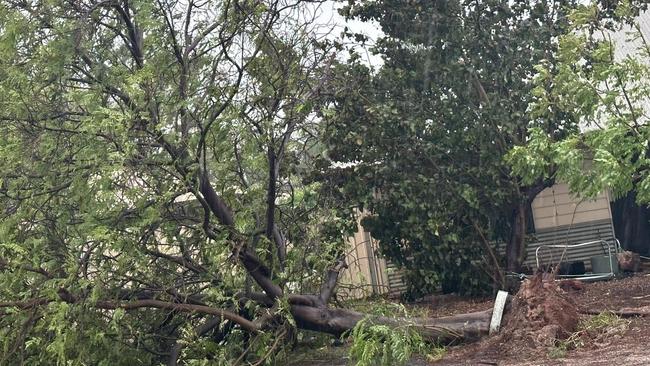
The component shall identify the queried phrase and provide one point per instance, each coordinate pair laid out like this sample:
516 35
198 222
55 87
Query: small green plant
436 353
374 344
595 329
558 351
605 321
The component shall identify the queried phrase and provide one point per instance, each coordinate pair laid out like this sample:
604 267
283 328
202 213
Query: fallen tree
152 177
152 162
335 321
450 329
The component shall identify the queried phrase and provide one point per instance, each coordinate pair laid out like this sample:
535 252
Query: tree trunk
463 327
631 224
319 318
515 247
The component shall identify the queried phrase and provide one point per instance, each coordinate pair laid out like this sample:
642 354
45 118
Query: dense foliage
423 137
151 163
604 85
177 178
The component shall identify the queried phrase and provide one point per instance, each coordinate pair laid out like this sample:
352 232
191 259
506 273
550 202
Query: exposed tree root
540 313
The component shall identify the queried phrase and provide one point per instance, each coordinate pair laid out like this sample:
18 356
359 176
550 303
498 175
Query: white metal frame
593 276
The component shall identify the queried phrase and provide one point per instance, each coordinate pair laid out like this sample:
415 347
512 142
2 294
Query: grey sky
329 15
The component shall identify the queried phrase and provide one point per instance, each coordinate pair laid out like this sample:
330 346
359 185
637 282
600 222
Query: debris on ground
602 334
612 325
629 261
572 285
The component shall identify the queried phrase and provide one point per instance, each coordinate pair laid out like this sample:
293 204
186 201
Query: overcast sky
328 15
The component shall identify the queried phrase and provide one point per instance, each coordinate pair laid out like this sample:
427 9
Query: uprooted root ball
540 312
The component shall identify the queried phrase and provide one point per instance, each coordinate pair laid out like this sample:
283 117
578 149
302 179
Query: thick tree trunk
631 224
515 249
463 327
516 244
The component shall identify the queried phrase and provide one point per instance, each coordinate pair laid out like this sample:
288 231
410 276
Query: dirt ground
630 348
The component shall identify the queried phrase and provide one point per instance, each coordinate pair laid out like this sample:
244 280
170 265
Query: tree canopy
607 93
152 158
428 131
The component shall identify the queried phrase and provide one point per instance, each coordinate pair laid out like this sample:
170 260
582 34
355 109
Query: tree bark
272 232
515 248
463 327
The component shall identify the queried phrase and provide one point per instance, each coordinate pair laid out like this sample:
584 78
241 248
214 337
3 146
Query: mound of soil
539 314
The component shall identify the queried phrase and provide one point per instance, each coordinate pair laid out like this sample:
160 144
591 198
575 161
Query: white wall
555 206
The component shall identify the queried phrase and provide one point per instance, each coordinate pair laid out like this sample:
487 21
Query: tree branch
260 273
327 289
67 297
187 308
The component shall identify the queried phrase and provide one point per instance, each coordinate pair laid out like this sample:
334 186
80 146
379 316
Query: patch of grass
436 353
604 321
559 351
597 329
383 307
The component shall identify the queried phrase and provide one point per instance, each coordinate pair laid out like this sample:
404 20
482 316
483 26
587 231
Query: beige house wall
556 206
367 273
